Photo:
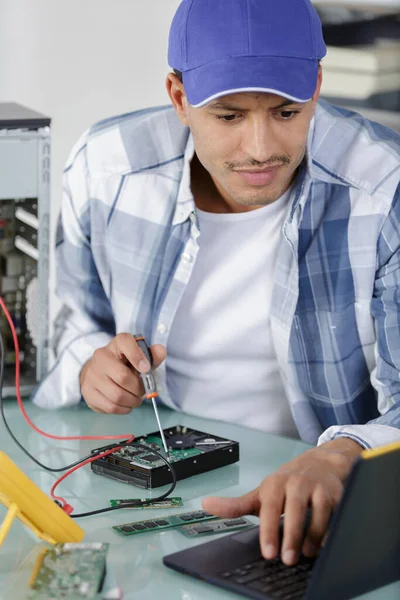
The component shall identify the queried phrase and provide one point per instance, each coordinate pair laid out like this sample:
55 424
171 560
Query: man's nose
258 141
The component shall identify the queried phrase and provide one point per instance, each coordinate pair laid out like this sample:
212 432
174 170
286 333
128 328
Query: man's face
250 143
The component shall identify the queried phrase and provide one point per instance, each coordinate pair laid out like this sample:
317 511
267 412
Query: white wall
78 61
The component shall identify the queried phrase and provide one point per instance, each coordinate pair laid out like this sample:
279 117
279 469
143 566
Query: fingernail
269 551
144 366
289 557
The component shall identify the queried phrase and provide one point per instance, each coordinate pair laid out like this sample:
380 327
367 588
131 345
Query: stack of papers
360 72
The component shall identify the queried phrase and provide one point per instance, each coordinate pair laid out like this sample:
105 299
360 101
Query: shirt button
186 257
162 328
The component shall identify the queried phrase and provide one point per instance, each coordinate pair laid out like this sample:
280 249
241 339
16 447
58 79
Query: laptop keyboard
273 578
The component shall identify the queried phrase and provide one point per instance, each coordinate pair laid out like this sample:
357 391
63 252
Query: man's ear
176 92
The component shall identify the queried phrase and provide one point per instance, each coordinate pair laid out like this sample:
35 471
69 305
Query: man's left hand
315 480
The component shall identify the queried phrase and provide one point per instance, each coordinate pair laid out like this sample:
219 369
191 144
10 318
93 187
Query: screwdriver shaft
159 426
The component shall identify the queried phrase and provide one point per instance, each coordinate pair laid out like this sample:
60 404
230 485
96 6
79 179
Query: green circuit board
173 502
162 523
69 571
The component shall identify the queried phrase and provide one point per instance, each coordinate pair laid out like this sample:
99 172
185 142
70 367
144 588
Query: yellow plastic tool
26 502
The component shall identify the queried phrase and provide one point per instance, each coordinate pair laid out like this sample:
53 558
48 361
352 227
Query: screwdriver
150 386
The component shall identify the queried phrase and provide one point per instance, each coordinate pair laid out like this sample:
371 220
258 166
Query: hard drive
191 452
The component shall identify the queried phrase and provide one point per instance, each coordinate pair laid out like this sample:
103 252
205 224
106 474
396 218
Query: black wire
138 503
81 460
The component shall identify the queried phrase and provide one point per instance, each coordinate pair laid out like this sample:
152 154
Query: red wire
131 437
21 405
85 462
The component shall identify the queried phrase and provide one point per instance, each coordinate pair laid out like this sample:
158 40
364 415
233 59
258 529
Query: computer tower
25 154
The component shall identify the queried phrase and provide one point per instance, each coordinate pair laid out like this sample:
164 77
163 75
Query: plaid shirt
127 242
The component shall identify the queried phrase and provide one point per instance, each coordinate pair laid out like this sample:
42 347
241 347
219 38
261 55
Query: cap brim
291 78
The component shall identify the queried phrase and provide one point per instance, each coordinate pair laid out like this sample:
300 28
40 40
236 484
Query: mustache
274 161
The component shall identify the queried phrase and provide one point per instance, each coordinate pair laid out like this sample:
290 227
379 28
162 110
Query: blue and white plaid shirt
127 243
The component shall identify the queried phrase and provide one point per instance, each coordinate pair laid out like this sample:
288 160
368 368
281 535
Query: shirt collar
308 172
336 142
313 167
185 205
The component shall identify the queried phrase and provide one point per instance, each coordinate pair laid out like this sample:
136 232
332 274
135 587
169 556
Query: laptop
362 551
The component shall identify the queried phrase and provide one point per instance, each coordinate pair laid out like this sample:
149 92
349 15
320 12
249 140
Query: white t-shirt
221 362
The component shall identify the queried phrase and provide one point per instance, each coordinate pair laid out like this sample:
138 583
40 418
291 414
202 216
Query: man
253 237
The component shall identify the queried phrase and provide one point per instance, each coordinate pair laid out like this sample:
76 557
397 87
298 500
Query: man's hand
315 479
110 382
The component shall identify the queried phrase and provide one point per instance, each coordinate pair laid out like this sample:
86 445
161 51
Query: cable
22 408
125 505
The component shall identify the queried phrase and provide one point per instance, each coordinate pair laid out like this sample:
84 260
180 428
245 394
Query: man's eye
286 115
226 118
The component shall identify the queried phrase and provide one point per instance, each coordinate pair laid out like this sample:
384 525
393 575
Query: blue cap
229 46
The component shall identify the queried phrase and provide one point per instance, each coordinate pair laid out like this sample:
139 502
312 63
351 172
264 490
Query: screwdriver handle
141 342
148 380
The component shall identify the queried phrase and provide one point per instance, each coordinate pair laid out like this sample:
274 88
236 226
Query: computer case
25 154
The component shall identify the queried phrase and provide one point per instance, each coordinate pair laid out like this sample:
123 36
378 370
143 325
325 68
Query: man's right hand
110 381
